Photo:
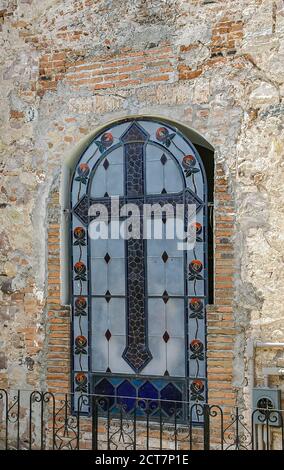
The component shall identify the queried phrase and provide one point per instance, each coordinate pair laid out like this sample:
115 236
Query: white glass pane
175 357
156 276
108 176
175 276
175 317
156 317
99 187
115 248
99 284
117 316
173 180
153 152
157 366
116 276
116 363
154 177
156 247
114 180
99 317
171 247
99 247
115 157
99 354
150 127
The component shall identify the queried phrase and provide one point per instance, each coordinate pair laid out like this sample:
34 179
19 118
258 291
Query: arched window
138 304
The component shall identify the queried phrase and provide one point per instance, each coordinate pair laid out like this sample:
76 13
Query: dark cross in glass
136 353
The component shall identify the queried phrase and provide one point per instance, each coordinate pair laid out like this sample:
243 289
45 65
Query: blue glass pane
148 391
125 392
148 394
170 392
104 387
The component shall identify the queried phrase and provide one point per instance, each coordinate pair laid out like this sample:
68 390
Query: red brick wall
221 327
98 73
58 332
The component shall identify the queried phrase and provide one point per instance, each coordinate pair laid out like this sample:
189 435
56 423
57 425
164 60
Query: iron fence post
206 434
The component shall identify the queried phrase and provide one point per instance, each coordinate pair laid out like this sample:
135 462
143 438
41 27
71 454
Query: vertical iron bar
222 430
4 396
53 421
175 426
161 428
282 429
30 422
78 423
134 426
237 428
190 428
94 424
206 432
252 431
267 428
41 422
7 420
108 424
18 419
147 424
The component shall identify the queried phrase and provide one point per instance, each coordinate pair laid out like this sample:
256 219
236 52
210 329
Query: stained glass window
139 304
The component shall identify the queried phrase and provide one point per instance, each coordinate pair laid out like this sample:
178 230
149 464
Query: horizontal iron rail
45 420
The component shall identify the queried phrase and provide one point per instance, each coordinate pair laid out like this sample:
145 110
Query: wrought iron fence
44 420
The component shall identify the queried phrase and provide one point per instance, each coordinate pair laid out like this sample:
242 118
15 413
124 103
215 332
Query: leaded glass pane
156 275
158 365
176 357
172 177
174 276
108 177
116 362
157 316
155 177
175 317
99 353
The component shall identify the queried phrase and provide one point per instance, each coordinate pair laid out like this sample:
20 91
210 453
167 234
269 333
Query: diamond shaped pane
107 258
165 296
165 257
107 296
108 335
164 159
166 336
106 164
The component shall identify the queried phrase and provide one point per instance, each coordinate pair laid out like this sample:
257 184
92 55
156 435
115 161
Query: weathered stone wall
68 67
